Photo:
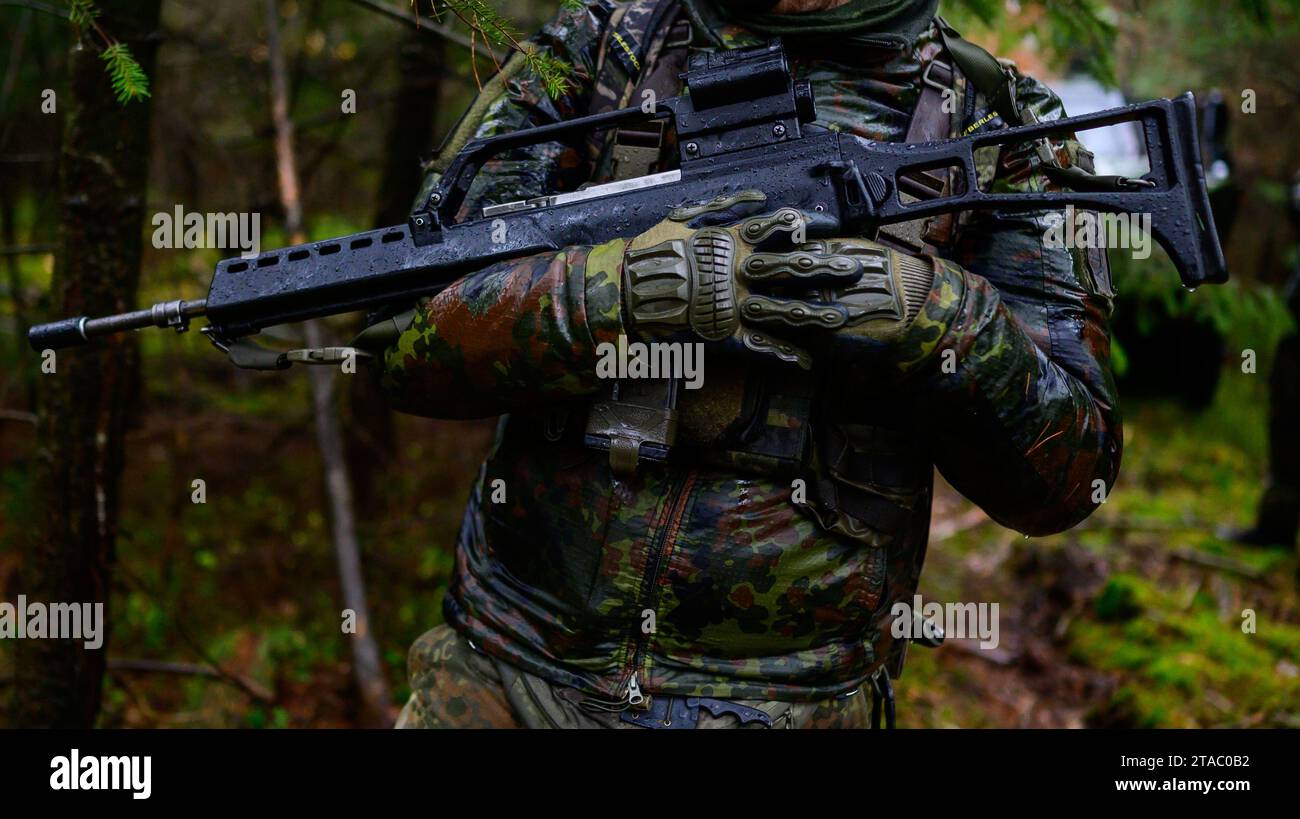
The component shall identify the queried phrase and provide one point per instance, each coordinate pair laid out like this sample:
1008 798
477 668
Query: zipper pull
634 696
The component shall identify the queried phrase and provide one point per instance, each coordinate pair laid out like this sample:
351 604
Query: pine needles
495 31
128 78
125 74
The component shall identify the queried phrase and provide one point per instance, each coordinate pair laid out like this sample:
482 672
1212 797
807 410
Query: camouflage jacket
702 576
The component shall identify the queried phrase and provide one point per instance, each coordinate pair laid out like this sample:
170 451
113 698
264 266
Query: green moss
1187 665
1117 601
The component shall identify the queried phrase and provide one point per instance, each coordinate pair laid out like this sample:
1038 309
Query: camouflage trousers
453 685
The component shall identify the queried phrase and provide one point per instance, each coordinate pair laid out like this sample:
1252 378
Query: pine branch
127 77
490 23
82 12
554 73
493 28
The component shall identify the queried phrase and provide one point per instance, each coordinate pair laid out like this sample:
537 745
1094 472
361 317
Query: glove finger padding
783 312
801 267
680 278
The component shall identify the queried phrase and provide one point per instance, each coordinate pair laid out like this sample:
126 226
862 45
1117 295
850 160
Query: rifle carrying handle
58 334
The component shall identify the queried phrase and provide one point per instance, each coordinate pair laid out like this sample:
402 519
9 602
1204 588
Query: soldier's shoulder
592 18
603 11
599 9
1034 94
585 11
577 28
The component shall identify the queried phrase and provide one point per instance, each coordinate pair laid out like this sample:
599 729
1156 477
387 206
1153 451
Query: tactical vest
644 51
868 481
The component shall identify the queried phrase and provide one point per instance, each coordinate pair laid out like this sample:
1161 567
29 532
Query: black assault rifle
740 126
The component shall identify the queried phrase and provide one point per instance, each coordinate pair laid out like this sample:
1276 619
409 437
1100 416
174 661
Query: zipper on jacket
678 495
634 695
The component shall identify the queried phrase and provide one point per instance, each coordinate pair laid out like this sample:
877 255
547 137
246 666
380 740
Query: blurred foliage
1083 33
1204 43
1065 31
1246 315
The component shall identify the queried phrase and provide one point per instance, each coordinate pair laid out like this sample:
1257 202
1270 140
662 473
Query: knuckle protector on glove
892 288
758 229
684 284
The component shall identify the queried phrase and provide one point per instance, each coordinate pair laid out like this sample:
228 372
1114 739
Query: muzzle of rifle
71 332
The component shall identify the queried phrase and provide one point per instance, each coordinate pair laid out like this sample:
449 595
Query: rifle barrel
71 332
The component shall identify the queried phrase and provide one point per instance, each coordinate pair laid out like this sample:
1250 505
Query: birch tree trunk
372 433
367 668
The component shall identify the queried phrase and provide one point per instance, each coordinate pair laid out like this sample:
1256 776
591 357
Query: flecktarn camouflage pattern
702 578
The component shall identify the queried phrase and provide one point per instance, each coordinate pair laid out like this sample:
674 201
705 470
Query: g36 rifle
744 124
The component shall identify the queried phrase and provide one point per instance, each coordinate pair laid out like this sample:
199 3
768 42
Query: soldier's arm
1011 358
515 334
516 99
522 331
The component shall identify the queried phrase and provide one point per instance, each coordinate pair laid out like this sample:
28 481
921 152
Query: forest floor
1133 618
1143 615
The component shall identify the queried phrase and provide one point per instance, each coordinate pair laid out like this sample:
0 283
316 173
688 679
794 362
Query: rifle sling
998 85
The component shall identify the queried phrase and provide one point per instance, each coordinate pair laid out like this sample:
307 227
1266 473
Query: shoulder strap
984 72
638 27
930 123
635 54
628 37
996 83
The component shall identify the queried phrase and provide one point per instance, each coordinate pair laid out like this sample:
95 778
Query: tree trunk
8 223
26 378
83 405
421 67
367 669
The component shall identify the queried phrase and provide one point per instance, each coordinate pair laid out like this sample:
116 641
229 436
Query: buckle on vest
637 149
680 35
937 85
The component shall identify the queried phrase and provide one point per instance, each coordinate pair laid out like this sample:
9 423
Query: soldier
746 580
